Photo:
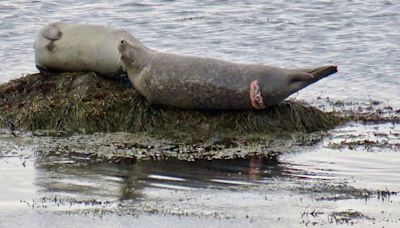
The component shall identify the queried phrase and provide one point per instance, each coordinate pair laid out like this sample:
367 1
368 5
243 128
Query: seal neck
140 56
143 55
135 56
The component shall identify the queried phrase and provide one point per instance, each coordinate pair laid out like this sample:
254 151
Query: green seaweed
85 102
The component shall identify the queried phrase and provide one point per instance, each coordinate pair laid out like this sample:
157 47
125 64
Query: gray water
311 186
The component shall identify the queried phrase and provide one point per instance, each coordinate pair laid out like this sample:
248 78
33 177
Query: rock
88 103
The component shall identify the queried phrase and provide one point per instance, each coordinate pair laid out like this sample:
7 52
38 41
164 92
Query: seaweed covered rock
86 102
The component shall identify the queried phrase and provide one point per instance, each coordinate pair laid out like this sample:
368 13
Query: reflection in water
289 186
102 181
119 181
127 179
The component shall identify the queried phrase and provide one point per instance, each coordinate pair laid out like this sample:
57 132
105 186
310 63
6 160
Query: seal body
205 83
64 46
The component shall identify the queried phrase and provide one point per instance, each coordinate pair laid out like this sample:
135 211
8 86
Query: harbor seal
204 83
64 46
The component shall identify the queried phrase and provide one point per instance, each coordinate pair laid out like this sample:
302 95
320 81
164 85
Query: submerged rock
87 103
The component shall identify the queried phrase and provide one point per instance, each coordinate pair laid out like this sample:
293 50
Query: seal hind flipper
322 72
316 75
300 77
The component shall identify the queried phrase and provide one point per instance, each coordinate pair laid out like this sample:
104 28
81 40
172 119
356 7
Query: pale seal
64 46
205 83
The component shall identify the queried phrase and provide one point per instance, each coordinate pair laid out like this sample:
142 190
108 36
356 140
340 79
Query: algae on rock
87 103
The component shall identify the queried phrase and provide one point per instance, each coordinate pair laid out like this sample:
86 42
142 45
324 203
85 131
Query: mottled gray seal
205 83
64 46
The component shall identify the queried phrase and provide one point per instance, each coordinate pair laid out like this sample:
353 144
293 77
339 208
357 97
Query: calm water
361 37
303 187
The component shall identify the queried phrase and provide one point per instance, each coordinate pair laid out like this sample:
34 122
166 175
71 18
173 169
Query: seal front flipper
45 71
51 32
40 68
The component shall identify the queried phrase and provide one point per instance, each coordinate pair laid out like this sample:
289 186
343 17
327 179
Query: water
311 186
358 36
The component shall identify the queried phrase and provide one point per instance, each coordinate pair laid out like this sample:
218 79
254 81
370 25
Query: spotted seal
62 46
204 83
